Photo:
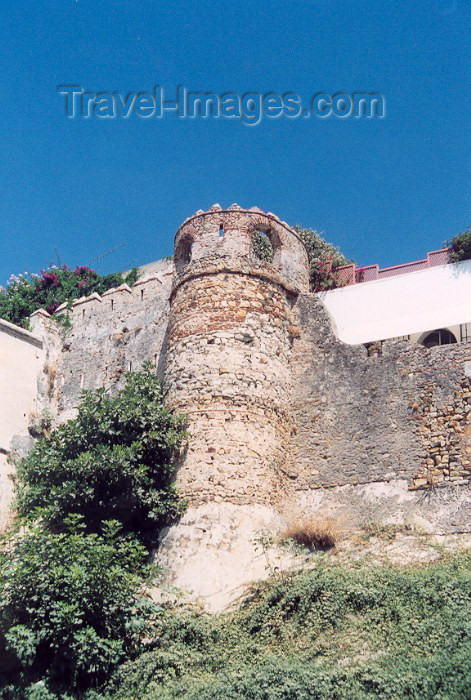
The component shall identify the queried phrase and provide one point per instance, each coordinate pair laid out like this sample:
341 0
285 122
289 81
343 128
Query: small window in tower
442 336
221 231
142 294
262 246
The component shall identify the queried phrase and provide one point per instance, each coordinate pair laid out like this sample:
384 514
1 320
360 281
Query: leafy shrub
90 497
324 257
323 276
114 461
70 608
26 293
460 246
290 679
262 247
319 249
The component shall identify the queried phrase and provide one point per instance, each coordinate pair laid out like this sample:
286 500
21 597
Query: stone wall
112 334
284 419
399 416
228 371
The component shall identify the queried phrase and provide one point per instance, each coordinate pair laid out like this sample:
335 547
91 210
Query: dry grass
51 372
314 533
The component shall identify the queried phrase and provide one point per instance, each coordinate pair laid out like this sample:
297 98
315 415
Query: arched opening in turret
183 252
442 336
266 244
262 247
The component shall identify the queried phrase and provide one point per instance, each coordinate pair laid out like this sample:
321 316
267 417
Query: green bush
26 293
323 257
91 498
319 249
113 462
460 246
262 247
70 608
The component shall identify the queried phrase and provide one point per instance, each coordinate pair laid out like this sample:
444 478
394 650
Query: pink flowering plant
323 275
324 259
25 293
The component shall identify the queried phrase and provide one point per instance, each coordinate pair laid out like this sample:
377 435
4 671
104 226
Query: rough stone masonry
285 421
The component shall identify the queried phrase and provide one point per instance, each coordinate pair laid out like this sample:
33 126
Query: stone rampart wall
228 370
112 334
400 414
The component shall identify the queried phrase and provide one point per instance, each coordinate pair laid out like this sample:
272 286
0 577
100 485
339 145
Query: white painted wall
420 301
21 359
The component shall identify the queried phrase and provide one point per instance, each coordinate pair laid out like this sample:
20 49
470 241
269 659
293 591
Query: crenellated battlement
114 301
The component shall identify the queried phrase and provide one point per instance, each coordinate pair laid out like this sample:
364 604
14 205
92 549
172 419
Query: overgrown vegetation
113 462
335 632
25 293
324 259
71 608
460 246
384 531
91 498
262 246
75 621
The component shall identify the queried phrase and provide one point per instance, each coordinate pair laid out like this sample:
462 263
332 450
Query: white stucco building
423 302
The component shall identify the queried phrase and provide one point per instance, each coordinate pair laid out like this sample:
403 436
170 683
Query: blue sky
384 190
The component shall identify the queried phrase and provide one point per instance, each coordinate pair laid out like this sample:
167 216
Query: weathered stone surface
216 550
362 419
114 335
22 358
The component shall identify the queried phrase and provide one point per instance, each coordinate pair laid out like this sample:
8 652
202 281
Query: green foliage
70 607
318 249
262 247
114 461
333 632
321 254
460 246
91 497
26 293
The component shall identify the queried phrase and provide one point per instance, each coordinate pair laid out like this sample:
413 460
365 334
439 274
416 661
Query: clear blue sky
385 190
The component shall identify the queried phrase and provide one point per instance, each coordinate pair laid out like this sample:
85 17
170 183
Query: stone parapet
227 235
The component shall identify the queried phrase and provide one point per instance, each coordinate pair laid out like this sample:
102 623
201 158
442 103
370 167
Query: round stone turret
229 341
228 234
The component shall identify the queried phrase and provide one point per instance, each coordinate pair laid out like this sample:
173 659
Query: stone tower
230 332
